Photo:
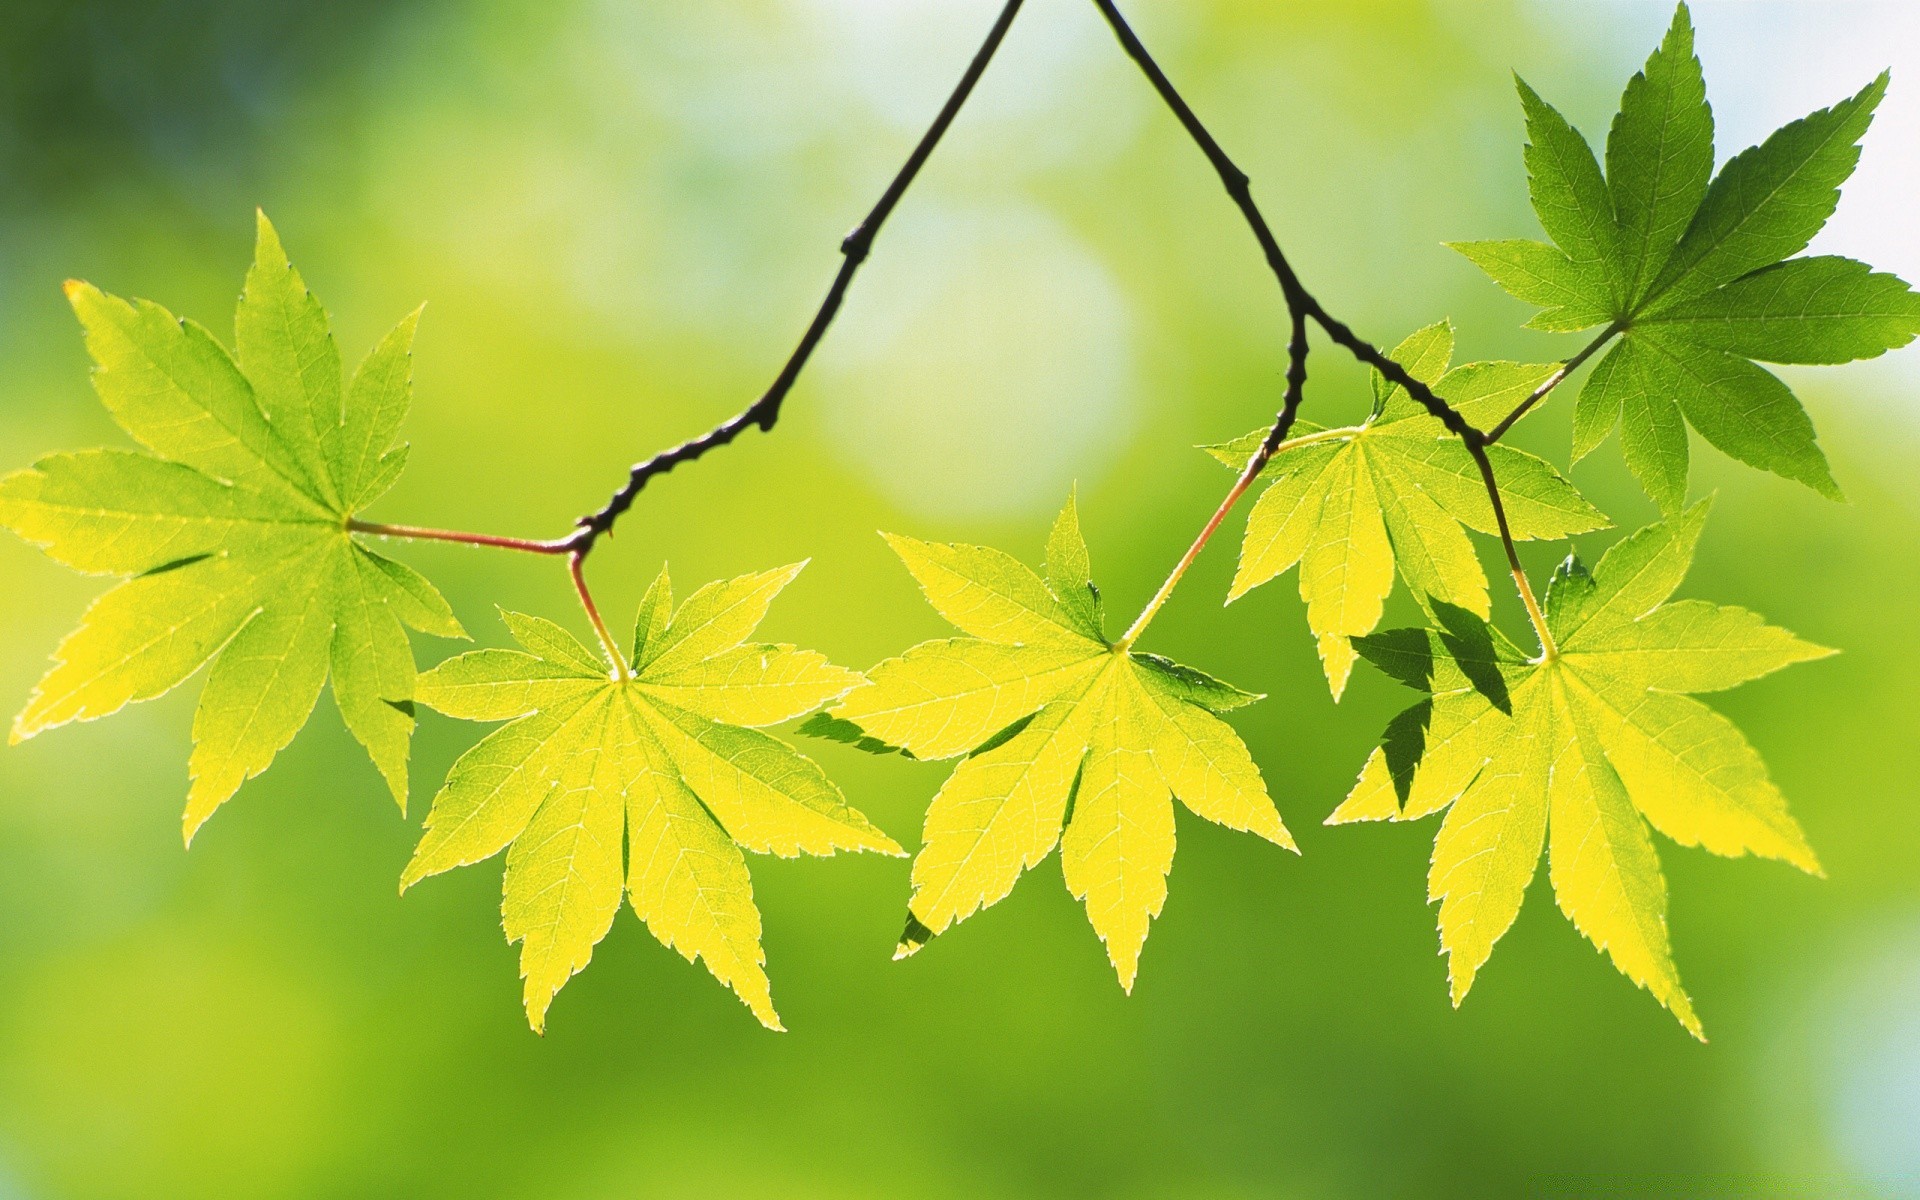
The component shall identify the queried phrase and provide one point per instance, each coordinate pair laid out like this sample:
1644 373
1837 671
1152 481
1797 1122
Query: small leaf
1768 202
235 532
1424 354
661 758
1692 276
1068 743
1068 573
1742 408
1626 389
1569 195
1352 505
1570 295
1593 739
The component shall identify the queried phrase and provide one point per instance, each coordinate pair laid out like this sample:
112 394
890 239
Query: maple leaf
1346 505
232 529
1068 738
668 753
1580 749
1698 275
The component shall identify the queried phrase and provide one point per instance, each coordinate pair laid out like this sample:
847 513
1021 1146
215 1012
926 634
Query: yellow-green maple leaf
667 755
1069 740
1346 505
232 531
1579 750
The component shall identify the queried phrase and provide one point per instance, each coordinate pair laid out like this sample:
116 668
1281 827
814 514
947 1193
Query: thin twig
762 412
1477 448
766 410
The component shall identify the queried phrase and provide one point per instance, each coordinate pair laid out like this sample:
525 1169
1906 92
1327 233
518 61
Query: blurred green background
621 214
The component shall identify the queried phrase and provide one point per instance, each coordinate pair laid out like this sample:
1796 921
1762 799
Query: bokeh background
621 213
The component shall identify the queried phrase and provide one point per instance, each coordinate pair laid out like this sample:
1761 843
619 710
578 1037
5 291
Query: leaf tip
912 939
266 243
1459 982
1682 1009
412 876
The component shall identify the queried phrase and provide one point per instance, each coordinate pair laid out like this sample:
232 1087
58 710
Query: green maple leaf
232 529
1069 739
1580 750
1697 273
670 755
1347 505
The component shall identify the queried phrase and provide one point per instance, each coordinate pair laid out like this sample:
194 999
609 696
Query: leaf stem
1553 381
576 566
1154 605
1477 447
1340 433
418 533
1276 439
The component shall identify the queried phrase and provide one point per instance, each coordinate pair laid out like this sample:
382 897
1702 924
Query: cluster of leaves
648 777
234 533
1691 280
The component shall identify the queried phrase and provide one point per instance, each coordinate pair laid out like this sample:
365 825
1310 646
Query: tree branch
1302 305
854 249
1240 188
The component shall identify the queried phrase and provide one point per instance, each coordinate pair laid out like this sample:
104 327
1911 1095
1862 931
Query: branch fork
1302 307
